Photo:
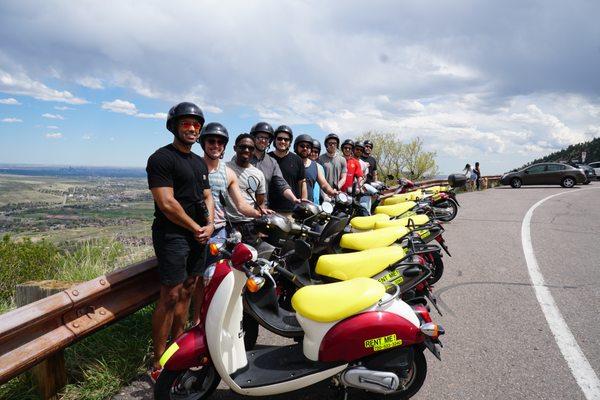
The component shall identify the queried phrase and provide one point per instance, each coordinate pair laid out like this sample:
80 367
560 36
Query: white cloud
54 135
90 82
120 106
63 108
87 136
52 127
12 120
52 116
127 107
157 115
22 85
10 101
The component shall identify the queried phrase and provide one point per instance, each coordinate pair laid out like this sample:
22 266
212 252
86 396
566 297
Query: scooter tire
172 384
451 216
416 382
250 326
438 268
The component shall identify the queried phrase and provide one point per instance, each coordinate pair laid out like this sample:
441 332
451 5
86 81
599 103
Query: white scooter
355 333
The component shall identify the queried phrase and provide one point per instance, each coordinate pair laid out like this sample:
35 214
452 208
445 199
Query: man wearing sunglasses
354 172
213 139
372 175
183 223
263 134
303 146
333 163
292 169
245 171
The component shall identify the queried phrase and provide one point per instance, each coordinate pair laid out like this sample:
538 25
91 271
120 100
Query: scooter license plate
394 277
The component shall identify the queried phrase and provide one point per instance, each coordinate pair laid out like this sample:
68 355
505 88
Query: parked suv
590 173
596 166
545 174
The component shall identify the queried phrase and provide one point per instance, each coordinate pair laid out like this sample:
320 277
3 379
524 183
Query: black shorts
179 256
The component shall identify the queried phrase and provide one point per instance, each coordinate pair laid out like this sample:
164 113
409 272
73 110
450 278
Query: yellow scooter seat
395 209
436 189
419 219
401 198
373 239
366 223
335 301
366 263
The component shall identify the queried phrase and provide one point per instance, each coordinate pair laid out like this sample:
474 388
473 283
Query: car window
536 169
556 167
595 164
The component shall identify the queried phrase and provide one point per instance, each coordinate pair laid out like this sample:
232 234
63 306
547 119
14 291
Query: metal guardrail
31 333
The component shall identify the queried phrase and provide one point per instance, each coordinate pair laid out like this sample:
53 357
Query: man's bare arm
165 199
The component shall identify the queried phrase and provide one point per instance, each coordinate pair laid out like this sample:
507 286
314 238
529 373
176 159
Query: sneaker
154 373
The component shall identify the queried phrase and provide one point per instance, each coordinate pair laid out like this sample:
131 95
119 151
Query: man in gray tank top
333 163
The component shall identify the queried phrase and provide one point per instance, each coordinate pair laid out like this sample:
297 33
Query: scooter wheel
413 381
438 267
187 384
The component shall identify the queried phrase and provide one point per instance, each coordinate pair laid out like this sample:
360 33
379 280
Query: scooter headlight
208 274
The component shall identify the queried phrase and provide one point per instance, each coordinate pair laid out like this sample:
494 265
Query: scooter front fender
189 350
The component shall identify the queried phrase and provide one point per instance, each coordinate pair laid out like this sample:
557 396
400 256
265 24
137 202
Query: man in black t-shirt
372 175
183 223
292 169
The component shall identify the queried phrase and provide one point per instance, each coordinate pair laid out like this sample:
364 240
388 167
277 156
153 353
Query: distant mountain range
573 152
70 171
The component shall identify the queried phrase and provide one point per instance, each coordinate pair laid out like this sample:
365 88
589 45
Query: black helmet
302 139
368 143
184 109
360 144
316 145
348 142
264 127
286 129
332 136
213 129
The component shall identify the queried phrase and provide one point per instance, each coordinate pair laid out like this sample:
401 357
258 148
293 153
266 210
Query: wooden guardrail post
50 375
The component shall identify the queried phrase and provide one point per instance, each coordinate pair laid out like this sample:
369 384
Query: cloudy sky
90 82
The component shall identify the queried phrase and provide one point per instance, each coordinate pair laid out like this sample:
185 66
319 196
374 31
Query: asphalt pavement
498 344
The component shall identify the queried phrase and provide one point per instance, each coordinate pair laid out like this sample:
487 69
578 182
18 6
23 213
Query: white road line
580 367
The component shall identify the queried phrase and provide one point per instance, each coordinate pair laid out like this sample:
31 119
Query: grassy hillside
573 152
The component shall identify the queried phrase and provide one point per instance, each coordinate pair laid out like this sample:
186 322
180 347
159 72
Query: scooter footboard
189 350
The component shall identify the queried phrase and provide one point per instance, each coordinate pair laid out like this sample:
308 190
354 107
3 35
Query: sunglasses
188 125
214 141
347 148
305 146
368 147
263 138
283 139
242 147
331 144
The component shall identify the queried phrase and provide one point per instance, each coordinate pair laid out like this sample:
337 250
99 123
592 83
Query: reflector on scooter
254 283
213 248
432 330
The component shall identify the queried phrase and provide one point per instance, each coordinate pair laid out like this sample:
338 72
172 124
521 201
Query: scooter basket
457 180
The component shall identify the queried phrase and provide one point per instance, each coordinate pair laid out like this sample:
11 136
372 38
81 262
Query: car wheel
567 182
516 183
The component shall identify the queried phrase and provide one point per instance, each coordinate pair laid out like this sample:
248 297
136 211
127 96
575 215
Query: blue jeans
365 198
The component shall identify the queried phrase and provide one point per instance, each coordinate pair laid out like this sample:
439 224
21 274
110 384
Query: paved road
498 342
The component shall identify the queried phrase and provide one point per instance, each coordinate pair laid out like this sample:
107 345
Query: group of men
195 197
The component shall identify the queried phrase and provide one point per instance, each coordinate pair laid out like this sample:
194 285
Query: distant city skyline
501 83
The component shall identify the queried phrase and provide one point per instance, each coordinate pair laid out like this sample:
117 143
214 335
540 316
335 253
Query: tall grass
97 366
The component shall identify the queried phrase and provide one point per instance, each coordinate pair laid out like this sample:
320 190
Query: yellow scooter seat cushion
336 301
373 239
401 198
366 223
419 219
437 189
395 209
366 263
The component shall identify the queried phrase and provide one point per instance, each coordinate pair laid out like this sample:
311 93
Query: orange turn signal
254 283
213 249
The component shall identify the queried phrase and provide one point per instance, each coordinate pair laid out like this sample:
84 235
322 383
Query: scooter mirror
252 183
327 207
302 249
